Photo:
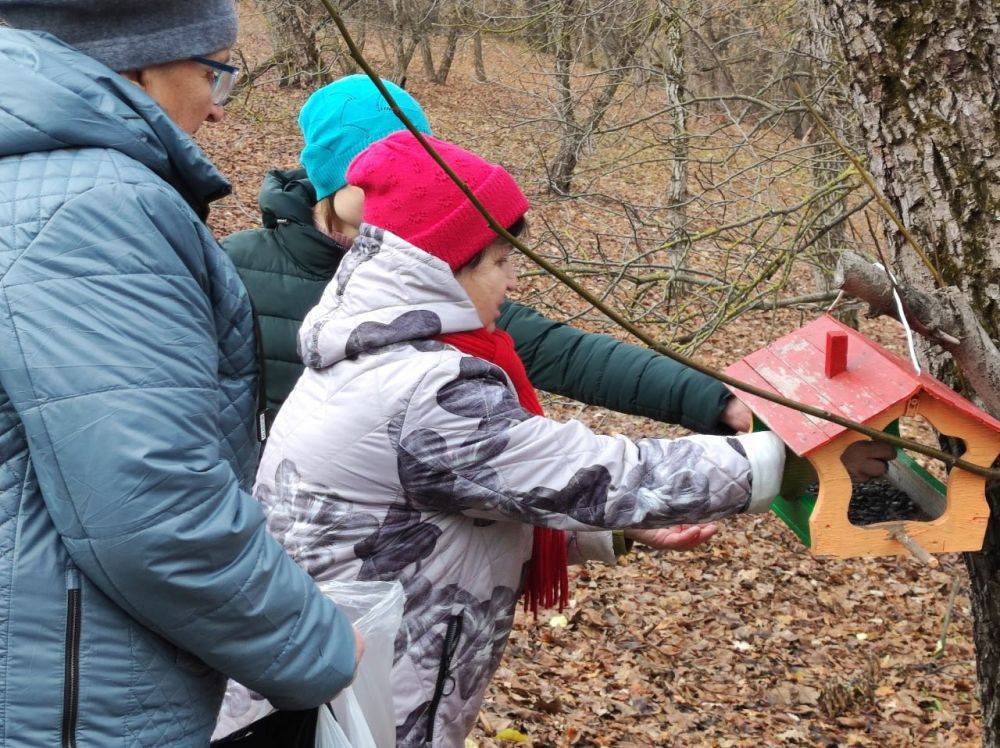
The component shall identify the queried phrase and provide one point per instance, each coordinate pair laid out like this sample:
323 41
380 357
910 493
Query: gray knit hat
130 34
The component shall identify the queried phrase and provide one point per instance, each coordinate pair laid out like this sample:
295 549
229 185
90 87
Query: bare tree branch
943 316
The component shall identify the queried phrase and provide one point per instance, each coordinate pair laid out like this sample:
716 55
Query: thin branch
870 181
621 321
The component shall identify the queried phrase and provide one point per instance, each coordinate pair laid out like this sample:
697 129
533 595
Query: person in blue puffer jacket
135 569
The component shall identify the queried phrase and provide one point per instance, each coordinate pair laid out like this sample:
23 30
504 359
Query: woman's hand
676 538
359 648
737 416
867 459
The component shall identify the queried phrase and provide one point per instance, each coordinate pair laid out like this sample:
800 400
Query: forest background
675 170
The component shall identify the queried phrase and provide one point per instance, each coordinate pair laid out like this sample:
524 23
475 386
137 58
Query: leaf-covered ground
746 641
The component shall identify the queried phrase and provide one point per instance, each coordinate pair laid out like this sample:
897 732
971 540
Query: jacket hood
386 292
52 96
286 196
286 200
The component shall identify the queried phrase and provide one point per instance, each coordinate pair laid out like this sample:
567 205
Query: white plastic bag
349 729
364 714
377 612
329 733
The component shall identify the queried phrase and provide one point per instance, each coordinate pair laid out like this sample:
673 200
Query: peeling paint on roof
875 380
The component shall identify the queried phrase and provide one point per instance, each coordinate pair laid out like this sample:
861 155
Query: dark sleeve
599 370
276 296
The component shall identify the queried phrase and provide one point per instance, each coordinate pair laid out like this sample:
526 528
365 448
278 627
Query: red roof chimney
836 353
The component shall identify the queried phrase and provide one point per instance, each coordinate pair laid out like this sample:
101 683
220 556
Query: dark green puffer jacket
287 264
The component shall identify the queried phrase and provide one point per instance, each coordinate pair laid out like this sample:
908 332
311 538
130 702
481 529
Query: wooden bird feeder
831 366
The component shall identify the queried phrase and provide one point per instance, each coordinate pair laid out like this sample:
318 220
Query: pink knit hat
407 193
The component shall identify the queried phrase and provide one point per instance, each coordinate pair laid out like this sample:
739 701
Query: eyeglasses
223 78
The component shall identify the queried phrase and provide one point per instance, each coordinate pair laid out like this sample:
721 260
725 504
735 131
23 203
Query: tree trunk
450 47
588 43
479 66
438 74
561 174
721 81
675 85
575 132
926 87
827 160
538 27
347 64
427 54
296 53
405 40
405 45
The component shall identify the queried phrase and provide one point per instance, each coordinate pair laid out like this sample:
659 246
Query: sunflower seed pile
880 501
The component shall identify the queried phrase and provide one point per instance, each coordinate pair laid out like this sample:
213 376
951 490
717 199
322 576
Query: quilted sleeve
591 546
599 370
110 356
466 445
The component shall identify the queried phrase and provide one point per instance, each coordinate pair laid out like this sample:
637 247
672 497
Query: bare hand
867 459
359 648
737 416
676 538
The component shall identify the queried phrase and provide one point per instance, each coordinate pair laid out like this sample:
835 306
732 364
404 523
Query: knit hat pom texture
341 119
409 194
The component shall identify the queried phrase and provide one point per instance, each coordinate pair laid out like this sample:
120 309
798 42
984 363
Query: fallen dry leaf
648 654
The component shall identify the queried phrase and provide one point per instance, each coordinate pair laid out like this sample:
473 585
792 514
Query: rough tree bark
926 88
675 88
943 317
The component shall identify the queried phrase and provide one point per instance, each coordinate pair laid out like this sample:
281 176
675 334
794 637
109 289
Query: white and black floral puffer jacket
398 457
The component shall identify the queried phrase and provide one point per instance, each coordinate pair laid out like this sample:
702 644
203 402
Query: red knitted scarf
547 584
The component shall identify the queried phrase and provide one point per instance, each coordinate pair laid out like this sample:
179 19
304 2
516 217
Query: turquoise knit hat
342 119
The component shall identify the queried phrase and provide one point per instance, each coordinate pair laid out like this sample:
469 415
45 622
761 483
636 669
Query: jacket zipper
451 637
71 681
265 416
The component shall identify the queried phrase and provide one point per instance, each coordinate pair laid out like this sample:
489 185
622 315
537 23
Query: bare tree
407 18
448 17
627 26
479 64
293 39
303 52
671 53
740 206
538 28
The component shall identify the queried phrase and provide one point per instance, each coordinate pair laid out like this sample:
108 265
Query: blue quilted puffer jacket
135 570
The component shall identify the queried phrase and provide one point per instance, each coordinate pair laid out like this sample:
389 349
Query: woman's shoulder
245 246
401 378
393 372
424 364
412 376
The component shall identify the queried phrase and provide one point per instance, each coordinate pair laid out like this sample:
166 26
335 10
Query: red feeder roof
874 380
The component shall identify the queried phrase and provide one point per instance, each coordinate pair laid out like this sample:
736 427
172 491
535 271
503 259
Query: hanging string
902 317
